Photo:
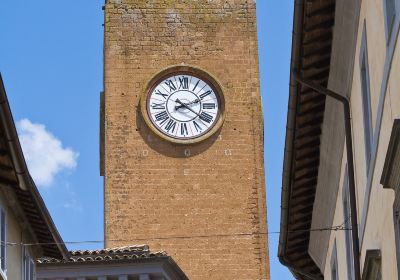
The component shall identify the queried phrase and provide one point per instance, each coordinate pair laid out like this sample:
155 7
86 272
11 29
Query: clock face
183 106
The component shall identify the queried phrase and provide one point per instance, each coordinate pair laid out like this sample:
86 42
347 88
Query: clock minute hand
186 106
190 103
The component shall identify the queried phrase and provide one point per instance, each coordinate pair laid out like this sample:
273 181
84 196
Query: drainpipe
350 167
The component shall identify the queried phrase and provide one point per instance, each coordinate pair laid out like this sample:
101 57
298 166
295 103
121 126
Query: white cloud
44 153
72 202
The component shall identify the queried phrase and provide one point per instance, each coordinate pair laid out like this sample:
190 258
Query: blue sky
51 62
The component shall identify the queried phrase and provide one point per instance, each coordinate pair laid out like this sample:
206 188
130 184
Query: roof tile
107 254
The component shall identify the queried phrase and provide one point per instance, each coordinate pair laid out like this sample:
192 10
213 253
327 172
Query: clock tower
182 134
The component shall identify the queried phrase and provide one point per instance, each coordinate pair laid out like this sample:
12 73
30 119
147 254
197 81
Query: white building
349 47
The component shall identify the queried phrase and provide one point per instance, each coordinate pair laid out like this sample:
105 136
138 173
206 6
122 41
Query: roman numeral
184 130
196 126
195 86
161 116
161 94
170 125
171 85
208 105
206 117
184 82
204 94
158 106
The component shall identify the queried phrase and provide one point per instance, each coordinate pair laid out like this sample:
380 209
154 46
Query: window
3 241
396 220
347 225
334 267
372 265
366 99
29 266
390 179
396 213
390 14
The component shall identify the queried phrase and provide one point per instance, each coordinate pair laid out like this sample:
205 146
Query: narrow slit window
390 15
2 240
29 266
347 225
366 100
334 264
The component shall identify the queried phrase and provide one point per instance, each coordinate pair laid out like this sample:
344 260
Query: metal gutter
24 179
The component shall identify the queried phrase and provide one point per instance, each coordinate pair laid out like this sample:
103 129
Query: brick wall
193 201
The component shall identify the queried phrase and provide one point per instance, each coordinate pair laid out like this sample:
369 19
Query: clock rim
177 70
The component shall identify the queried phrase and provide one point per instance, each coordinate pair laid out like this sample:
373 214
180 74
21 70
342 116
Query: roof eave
24 179
291 117
288 166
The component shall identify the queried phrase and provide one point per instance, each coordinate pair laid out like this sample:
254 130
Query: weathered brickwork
203 203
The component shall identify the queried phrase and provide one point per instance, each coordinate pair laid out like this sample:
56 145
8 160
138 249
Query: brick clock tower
182 134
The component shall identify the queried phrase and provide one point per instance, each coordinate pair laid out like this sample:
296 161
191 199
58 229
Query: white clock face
183 106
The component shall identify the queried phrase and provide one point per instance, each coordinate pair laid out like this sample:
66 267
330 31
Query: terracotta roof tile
108 254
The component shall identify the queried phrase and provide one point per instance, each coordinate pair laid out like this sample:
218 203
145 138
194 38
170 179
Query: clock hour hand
186 106
190 103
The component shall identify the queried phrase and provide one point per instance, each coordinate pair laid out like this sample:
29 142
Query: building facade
27 231
188 177
349 47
